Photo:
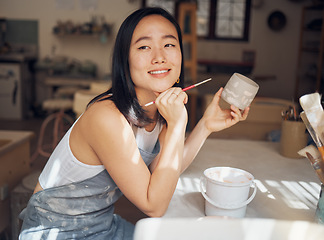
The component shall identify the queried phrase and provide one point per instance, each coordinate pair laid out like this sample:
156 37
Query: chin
161 90
164 88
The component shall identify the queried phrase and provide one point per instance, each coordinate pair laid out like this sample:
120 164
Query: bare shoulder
97 132
103 117
103 111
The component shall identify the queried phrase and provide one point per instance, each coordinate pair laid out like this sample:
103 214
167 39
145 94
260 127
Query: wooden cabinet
310 73
187 18
187 21
14 166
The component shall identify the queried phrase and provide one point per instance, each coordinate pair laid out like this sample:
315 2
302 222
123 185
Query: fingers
238 114
183 97
246 113
172 95
175 93
178 95
217 96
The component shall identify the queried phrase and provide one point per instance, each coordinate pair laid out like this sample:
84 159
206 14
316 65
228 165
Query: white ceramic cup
240 91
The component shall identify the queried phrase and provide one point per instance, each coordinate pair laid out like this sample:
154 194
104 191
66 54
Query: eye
169 45
143 48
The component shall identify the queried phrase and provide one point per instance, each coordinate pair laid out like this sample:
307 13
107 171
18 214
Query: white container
240 91
227 191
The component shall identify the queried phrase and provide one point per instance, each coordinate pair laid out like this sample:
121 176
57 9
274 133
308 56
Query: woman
119 146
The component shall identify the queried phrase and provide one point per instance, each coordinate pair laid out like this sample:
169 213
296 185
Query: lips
159 71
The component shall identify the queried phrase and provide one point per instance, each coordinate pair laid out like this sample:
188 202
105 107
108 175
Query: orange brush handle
321 150
320 171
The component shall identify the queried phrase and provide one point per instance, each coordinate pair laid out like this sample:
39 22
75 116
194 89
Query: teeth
158 72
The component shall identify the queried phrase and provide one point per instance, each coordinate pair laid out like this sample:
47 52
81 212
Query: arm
214 119
112 140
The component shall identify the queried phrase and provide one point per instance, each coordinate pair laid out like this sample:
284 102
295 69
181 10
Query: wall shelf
229 67
96 28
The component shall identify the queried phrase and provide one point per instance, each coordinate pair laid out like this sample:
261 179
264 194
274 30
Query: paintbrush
313 134
315 159
311 104
185 89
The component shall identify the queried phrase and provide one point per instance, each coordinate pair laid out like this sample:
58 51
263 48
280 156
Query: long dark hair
123 92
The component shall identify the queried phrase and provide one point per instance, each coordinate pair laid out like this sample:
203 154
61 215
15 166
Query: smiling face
154 56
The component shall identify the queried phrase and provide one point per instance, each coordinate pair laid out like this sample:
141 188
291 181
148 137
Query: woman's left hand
217 119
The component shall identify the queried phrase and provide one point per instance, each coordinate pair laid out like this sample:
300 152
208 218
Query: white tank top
64 168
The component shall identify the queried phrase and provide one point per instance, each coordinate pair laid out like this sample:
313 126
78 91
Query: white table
288 189
226 229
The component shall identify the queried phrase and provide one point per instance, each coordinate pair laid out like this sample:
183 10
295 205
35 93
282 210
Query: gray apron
80 210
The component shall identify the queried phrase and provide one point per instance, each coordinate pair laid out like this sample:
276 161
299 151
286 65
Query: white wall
276 52
82 48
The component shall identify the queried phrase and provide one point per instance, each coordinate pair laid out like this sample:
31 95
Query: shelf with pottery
98 37
96 27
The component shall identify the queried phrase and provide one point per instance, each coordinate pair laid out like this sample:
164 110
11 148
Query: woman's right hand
171 105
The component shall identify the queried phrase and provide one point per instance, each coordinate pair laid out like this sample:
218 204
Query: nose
158 57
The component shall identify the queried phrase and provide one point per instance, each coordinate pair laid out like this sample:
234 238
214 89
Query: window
228 19
216 19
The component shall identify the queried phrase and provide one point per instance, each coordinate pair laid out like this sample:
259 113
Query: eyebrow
164 37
